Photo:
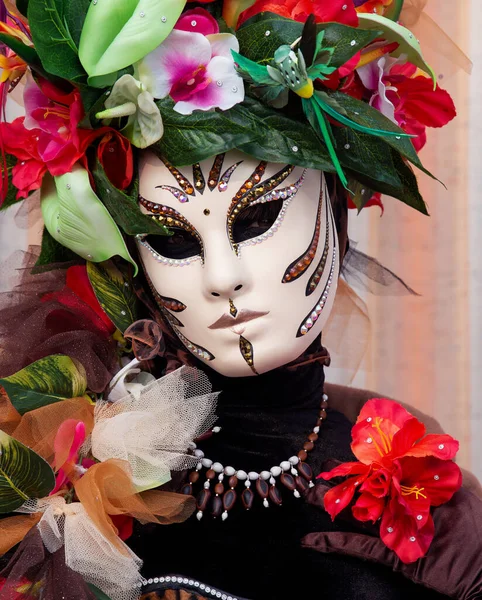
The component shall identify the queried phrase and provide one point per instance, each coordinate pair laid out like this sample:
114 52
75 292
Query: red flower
54 116
115 155
124 525
325 11
197 20
22 143
402 473
79 295
418 105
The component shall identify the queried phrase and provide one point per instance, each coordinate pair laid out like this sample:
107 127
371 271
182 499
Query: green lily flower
78 220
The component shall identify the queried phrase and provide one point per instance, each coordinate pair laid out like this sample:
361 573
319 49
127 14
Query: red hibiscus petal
412 431
437 479
401 534
349 468
27 176
433 108
387 409
378 484
340 496
368 508
340 11
442 446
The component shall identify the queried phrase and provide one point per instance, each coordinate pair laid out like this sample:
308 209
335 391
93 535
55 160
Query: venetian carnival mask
248 278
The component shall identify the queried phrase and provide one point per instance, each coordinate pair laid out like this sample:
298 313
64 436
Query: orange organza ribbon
105 489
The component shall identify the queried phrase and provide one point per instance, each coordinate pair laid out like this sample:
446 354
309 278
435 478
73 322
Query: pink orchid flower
54 116
196 71
68 441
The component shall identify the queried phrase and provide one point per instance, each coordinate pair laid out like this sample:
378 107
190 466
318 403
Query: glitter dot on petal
390 529
369 440
267 33
436 477
441 447
295 148
413 539
419 517
163 19
353 43
193 23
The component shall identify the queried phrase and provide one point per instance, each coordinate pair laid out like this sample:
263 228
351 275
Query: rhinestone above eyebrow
184 183
199 181
252 180
223 184
179 194
215 171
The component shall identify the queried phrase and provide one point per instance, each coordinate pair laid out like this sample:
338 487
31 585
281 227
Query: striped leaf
23 474
45 381
114 293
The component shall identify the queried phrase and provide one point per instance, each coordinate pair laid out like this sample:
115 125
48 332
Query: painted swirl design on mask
198 176
314 280
183 181
170 218
247 353
315 312
215 171
303 262
226 176
247 197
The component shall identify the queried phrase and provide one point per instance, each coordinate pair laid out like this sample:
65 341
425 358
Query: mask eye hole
181 244
255 220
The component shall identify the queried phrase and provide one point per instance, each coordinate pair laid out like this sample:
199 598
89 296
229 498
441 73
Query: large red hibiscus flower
400 475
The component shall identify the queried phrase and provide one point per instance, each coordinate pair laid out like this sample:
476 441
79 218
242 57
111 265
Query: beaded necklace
294 474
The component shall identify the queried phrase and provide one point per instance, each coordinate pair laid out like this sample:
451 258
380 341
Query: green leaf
23 474
192 138
360 194
118 34
98 594
263 34
75 13
362 153
48 380
341 38
124 208
260 36
53 39
370 160
52 253
393 32
363 114
393 11
76 218
11 197
278 134
26 53
114 293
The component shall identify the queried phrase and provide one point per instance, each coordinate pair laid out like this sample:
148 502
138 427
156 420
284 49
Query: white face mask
248 279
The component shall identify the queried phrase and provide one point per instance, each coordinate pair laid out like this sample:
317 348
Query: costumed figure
165 427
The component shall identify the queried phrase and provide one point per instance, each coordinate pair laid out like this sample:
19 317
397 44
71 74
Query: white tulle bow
114 569
153 426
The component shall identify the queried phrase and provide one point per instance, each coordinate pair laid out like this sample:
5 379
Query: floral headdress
335 85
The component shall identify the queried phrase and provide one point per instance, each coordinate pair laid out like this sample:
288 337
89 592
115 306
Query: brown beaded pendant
294 474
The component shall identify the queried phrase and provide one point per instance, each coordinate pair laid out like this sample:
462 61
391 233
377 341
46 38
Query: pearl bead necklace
294 474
